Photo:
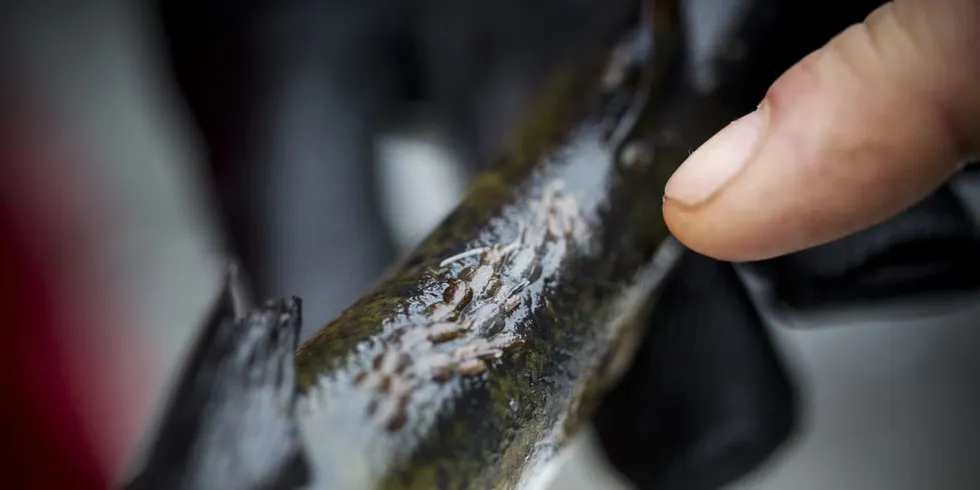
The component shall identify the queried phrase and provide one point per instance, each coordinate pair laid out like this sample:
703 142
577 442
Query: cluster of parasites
475 303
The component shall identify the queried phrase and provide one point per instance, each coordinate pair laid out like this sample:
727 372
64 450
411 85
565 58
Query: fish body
479 354
473 360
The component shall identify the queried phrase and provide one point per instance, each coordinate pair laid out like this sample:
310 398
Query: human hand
856 132
855 138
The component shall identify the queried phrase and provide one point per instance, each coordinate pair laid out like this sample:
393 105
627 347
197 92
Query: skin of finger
857 131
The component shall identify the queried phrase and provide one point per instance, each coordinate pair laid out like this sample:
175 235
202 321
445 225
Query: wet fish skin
928 251
553 252
556 249
573 192
709 398
476 410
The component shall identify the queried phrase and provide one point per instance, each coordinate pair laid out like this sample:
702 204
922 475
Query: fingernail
717 161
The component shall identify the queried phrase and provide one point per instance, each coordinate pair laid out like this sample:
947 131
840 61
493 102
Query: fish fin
230 421
927 251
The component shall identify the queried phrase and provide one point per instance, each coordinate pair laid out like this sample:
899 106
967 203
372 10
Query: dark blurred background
320 140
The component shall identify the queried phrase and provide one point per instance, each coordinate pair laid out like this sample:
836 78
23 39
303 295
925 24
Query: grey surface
889 403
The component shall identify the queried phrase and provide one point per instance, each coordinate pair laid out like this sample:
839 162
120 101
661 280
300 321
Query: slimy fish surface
473 360
479 354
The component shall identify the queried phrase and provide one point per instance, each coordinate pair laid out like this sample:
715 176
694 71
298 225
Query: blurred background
888 401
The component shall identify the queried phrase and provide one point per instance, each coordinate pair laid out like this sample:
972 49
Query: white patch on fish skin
474 320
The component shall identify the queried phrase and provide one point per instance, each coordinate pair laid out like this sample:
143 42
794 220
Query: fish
480 353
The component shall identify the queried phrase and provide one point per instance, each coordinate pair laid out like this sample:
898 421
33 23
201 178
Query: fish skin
531 363
563 249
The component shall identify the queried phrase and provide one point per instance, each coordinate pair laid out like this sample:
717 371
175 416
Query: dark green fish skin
476 357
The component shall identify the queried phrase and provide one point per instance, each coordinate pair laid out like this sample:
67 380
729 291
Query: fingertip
702 233
852 137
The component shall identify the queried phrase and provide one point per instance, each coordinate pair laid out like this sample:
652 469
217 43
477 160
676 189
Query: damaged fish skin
544 266
474 360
